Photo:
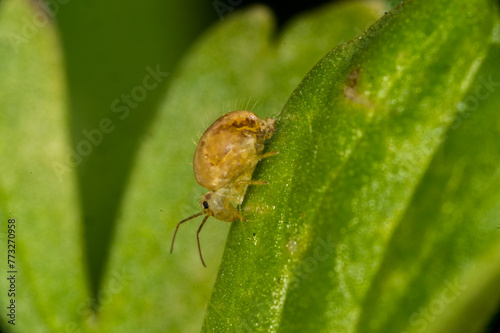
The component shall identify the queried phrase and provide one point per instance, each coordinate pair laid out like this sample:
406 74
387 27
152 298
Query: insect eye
205 204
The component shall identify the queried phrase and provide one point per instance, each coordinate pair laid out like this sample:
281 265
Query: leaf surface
358 140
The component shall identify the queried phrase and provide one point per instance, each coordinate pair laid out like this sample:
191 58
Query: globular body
226 157
224 161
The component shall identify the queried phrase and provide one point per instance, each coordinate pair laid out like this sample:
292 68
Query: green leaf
238 64
344 237
393 3
36 191
449 263
110 47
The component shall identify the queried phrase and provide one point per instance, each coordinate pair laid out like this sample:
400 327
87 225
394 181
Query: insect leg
198 237
252 182
260 157
178 224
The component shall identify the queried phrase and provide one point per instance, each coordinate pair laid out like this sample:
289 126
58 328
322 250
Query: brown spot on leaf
351 89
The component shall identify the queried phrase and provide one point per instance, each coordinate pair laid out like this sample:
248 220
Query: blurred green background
108 46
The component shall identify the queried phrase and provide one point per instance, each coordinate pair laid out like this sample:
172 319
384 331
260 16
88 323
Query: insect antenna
178 224
198 237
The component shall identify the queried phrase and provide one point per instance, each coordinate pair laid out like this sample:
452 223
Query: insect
224 161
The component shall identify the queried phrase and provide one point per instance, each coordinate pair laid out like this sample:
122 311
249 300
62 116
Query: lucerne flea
224 161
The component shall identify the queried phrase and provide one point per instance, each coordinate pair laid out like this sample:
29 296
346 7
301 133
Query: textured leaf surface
362 225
